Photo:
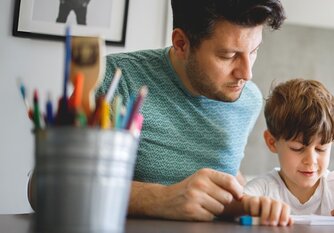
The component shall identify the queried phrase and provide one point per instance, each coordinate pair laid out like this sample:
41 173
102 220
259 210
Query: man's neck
179 67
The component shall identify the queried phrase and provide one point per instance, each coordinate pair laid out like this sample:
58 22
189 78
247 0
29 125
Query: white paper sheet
313 219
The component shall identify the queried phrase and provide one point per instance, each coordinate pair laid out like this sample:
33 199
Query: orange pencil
76 97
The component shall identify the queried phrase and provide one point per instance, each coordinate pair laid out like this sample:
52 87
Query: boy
300 120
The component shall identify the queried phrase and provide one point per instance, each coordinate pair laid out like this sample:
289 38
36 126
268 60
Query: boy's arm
271 212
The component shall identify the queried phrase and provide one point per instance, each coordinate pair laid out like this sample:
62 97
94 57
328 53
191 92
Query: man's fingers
221 195
196 212
204 200
210 191
207 185
212 205
227 182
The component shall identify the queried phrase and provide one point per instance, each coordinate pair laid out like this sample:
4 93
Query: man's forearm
146 199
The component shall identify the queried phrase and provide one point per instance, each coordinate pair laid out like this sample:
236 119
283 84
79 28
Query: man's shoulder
135 56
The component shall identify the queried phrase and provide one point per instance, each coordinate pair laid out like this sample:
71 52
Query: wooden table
22 223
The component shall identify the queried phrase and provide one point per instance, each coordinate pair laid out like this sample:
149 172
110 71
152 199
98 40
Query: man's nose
243 69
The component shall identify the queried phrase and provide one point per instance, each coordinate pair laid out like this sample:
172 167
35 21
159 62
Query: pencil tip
144 90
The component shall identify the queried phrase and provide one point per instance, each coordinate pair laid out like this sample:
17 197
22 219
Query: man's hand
201 197
271 212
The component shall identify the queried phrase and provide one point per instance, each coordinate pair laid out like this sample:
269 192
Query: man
200 108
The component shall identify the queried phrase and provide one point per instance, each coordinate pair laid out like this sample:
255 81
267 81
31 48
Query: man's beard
201 82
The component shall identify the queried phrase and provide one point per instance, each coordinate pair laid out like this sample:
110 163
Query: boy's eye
297 149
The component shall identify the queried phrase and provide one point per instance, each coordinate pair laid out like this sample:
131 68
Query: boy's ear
181 43
270 141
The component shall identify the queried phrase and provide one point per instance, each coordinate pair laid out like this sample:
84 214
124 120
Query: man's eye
227 56
320 149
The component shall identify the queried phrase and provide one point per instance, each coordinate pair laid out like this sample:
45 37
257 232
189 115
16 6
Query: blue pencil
49 119
25 99
128 111
67 61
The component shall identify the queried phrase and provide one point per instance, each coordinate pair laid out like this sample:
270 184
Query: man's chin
228 98
224 96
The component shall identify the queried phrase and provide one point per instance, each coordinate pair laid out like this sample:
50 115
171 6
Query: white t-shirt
272 185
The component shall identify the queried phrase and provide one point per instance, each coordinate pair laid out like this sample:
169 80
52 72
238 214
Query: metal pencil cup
83 179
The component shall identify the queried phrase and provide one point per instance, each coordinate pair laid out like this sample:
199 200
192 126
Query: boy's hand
332 212
271 212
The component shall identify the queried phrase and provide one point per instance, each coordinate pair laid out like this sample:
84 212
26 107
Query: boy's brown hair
300 108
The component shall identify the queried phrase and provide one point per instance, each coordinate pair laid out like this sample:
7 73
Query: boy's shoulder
330 177
265 184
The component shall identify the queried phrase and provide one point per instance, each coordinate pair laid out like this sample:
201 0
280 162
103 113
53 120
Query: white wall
40 64
315 13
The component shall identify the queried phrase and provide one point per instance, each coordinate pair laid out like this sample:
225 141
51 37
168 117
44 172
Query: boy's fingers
265 210
272 212
254 206
285 216
275 213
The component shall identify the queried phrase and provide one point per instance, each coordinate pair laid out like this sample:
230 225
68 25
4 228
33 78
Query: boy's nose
310 157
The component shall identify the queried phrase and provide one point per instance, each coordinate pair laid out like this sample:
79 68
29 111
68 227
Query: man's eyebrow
227 51
223 50
257 47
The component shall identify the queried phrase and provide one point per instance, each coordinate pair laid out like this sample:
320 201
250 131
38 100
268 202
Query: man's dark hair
197 18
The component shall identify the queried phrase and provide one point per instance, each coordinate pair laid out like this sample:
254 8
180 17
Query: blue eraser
247 220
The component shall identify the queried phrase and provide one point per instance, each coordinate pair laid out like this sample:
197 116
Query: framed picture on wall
48 19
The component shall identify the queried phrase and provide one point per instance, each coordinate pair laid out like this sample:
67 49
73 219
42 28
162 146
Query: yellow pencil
105 115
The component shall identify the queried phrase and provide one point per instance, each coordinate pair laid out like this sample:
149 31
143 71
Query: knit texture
181 133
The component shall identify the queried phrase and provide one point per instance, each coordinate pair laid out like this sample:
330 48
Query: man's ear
270 141
181 43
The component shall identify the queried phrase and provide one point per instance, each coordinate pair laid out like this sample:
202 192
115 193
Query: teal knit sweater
182 133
